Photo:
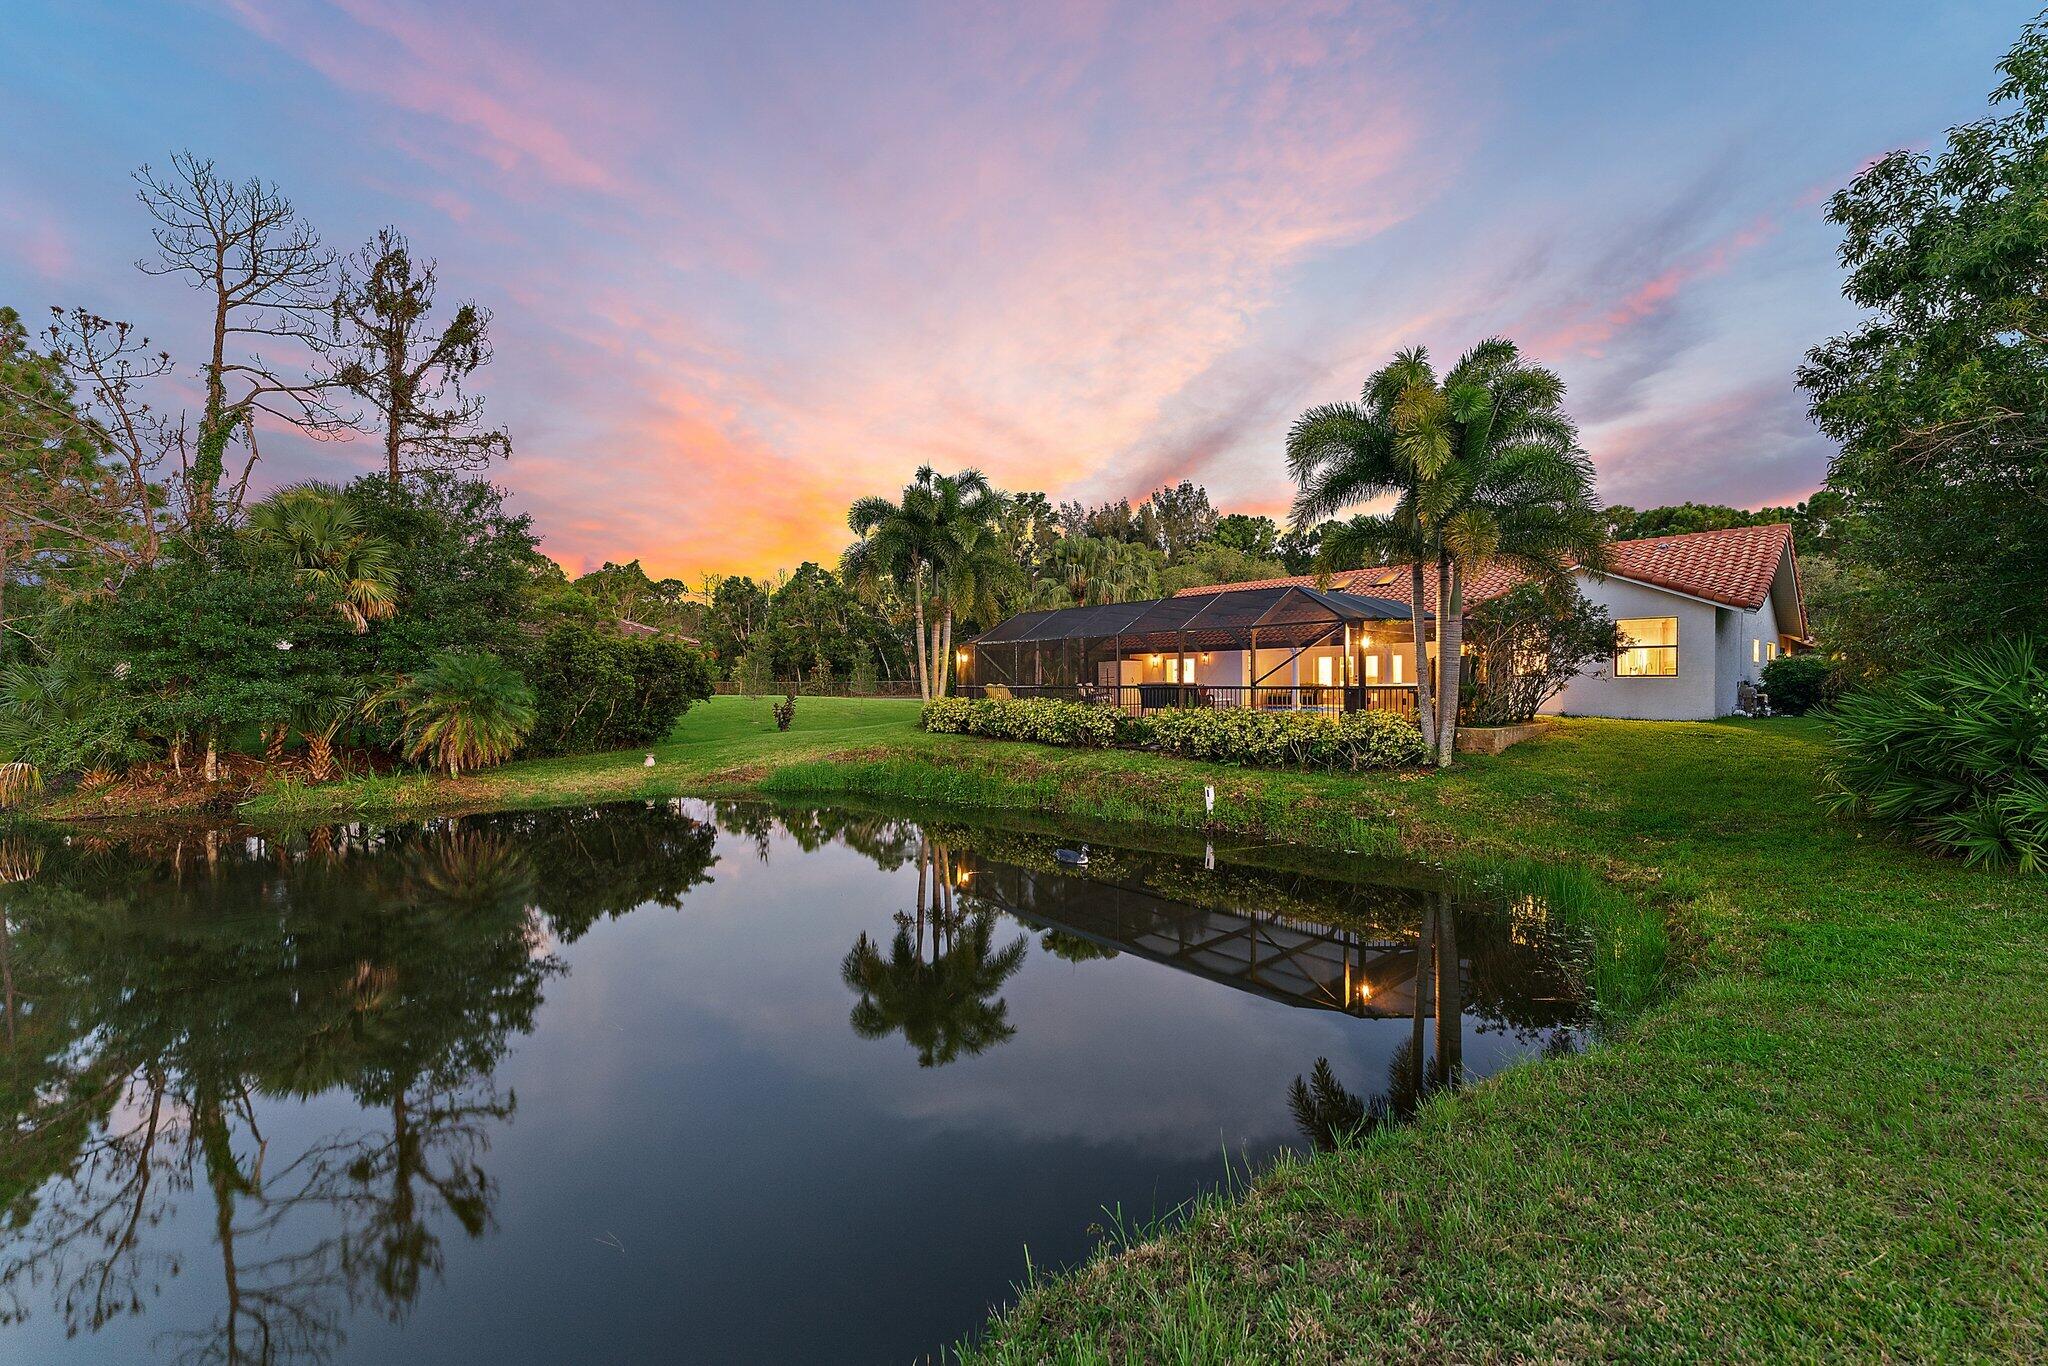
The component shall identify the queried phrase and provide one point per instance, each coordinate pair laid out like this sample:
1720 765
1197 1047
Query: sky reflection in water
725 1082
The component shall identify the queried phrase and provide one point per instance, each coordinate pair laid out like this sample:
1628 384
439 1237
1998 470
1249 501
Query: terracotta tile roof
1734 567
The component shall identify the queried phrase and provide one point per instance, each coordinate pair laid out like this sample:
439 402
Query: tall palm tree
912 541
325 536
1341 454
970 578
1484 466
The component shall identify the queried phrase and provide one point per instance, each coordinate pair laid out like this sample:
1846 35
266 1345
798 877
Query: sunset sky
751 261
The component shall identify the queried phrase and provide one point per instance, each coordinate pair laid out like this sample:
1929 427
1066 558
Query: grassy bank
1831 1139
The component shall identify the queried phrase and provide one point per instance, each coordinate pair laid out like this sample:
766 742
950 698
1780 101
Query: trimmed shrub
1354 740
945 716
598 690
1288 739
1043 720
1798 683
1955 754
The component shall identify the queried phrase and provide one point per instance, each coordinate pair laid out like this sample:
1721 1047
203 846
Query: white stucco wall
1693 694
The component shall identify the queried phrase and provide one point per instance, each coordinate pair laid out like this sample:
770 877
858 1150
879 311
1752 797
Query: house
1701 614
1286 646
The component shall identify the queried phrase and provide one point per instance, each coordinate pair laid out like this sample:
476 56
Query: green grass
1829 1140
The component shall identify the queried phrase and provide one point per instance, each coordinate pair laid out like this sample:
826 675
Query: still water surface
679 1081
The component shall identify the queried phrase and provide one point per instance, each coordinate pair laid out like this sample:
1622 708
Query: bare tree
108 365
266 275
64 511
409 371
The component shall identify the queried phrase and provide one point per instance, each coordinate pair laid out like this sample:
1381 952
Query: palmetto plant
1483 465
461 711
320 721
1954 753
324 535
56 719
915 542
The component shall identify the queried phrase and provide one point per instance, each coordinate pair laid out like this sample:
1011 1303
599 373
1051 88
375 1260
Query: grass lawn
1829 1139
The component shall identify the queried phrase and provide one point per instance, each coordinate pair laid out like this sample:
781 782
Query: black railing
1136 699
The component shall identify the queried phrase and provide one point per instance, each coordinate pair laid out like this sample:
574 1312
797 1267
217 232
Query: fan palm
323 533
1483 466
464 710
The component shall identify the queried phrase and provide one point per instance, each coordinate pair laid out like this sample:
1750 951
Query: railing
1136 699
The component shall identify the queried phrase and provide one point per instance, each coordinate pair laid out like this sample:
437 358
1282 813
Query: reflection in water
1330 1116
251 1082
939 1000
160 990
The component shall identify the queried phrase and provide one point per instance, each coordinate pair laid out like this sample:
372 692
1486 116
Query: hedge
1044 720
1264 739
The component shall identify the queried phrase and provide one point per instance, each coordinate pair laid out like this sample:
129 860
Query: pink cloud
510 111
1751 444
1589 332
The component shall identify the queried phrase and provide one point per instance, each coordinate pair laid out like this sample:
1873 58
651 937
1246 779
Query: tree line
159 618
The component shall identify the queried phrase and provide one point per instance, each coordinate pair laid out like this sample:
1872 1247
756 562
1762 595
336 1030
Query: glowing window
1756 651
1326 670
1771 649
1649 648
1397 667
1372 668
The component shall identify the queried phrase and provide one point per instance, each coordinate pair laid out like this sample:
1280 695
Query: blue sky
749 263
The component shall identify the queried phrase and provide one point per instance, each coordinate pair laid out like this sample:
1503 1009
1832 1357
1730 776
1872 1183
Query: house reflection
1417 957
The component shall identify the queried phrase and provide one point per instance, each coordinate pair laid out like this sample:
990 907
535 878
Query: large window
1649 648
1326 670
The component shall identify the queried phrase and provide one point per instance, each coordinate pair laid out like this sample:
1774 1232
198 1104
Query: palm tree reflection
942 967
1329 1115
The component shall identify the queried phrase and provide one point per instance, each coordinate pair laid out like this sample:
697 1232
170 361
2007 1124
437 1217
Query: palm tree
325 536
969 581
466 710
1484 466
1341 454
913 540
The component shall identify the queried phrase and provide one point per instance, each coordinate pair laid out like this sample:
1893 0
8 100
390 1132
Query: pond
681 1080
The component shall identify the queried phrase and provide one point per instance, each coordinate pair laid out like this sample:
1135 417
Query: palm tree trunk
924 677
938 682
1425 715
946 654
1450 637
1450 1008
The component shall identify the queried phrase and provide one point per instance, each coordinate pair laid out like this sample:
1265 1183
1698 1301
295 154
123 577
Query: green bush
1354 740
945 716
598 690
1798 683
1288 739
1043 720
1955 754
